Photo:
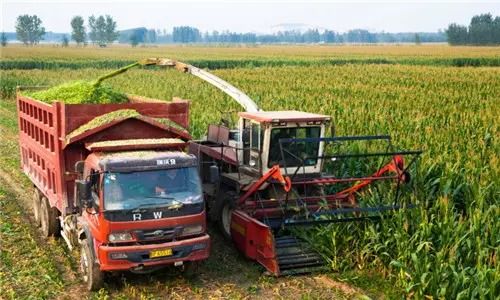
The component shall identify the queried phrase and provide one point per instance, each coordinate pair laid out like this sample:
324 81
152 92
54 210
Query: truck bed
48 158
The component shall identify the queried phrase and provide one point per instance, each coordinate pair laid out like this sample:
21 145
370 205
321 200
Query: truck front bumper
120 258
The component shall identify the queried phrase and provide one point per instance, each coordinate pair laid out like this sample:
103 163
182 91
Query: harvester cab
277 170
261 133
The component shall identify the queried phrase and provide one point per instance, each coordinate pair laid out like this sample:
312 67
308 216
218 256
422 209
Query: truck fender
84 233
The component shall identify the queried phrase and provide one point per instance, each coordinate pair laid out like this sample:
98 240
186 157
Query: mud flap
255 239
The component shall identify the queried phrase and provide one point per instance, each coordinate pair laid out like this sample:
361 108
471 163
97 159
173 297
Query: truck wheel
48 218
92 275
35 202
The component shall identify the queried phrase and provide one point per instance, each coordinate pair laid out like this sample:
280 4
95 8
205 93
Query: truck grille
158 235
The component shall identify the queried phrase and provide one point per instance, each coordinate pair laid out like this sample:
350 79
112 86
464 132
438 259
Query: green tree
481 30
186 34
329 36
417 39
457 34
29 29
496 30
110 32
64 41
78 34
3 39
100 25
150 36
102 30
93 29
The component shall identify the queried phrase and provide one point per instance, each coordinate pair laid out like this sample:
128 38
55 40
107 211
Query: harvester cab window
245 138
298 153
255 145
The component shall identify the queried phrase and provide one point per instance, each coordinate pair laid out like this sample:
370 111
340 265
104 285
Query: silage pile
80 92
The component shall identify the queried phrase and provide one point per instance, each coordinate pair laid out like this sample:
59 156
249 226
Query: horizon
260 17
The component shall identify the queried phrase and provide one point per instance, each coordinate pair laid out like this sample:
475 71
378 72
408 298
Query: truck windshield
294 152
151 189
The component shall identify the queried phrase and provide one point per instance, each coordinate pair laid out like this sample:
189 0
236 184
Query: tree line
482 30
101 30
187 34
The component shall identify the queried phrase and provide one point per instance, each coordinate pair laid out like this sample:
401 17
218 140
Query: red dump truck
116 181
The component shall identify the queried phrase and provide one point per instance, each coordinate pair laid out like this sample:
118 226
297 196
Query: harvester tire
91 273
224 208
35 202
49 218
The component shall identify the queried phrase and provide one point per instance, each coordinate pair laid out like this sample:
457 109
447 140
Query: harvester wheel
35 202
49 220
224 209
91 273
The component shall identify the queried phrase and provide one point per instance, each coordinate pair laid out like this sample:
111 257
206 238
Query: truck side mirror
84 193
214 174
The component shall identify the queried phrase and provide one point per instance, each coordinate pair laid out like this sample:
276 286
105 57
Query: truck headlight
192 229
120 237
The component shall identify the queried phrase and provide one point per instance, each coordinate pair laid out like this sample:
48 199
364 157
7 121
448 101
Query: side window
255 144
94 182
246 141
256 136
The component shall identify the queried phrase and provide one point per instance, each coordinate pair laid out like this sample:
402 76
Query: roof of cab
283 116
144 160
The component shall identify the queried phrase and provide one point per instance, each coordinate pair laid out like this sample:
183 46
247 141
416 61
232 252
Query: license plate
160 253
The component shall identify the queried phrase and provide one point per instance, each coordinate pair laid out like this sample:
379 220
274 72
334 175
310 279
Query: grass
27 269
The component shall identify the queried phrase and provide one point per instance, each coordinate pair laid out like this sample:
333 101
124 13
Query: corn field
445 248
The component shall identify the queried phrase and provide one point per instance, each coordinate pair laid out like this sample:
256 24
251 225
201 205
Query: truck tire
91 273
35 203
49 220
224 209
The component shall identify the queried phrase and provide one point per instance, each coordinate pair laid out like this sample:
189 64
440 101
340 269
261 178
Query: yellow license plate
160 253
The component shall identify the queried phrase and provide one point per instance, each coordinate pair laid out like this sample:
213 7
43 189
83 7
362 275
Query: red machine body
266 186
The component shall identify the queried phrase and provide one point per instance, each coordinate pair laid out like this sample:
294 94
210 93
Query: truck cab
143 209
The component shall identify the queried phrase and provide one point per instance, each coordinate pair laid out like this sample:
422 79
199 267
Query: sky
253 16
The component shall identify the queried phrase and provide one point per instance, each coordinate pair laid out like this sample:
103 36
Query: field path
226 275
